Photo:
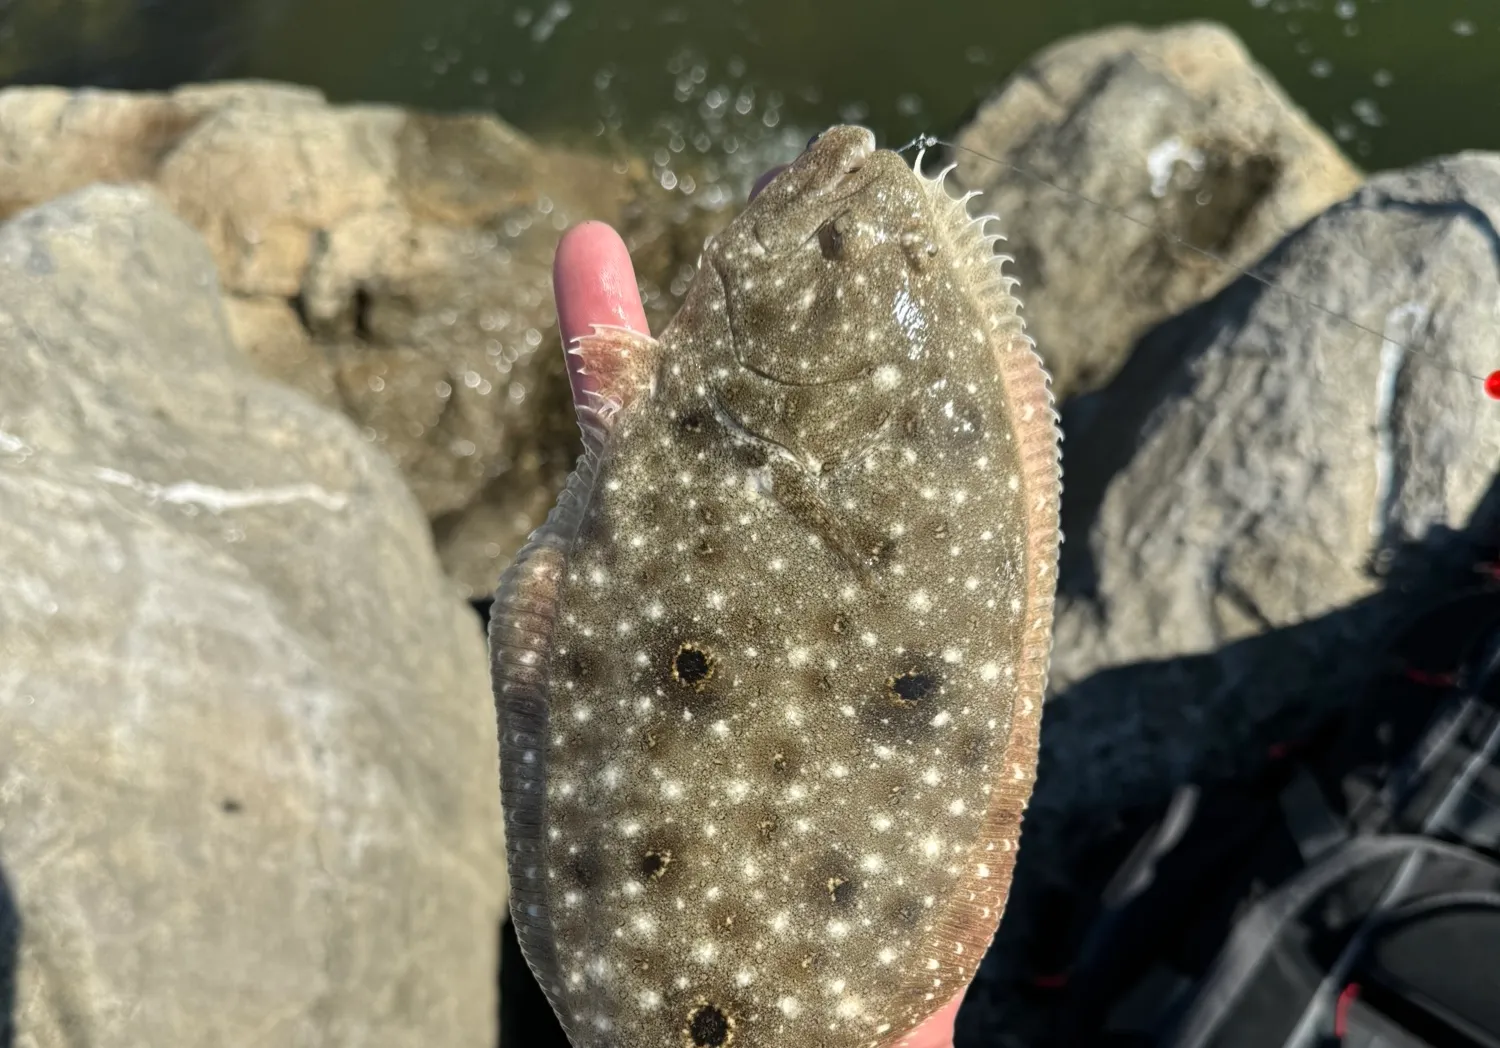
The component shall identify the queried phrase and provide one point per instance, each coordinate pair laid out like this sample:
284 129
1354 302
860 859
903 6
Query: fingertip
592 261
593 281
588 235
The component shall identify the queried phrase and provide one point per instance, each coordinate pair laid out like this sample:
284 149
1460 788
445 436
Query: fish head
829 304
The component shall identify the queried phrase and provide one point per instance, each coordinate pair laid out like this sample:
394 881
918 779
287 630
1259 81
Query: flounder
769 678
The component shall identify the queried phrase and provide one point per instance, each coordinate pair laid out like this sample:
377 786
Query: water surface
1394 80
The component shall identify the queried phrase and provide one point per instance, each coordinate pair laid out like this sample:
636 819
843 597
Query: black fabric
1439 969
1349 895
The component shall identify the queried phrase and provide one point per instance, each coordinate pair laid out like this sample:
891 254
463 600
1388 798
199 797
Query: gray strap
1311 821
1139 870
1264 924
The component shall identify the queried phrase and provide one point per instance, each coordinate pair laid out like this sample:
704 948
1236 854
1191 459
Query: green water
735 81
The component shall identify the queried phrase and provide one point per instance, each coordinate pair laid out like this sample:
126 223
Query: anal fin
523 618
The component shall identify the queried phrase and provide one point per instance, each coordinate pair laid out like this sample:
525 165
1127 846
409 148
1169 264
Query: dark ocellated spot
654 864
692 666
911 687
840 891
709 1027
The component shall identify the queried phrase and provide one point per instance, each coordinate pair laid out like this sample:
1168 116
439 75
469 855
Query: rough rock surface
1176 127
1261 455
1250 498
391 264
247 777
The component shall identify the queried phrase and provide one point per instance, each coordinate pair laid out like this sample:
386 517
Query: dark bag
1349 896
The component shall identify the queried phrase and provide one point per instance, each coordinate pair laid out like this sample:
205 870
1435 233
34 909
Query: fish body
769 679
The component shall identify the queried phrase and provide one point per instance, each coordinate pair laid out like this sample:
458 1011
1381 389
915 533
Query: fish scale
769 679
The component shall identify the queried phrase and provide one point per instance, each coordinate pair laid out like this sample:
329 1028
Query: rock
395 264
269 332
1177 128
54 141
248 778
1264 455
1260 491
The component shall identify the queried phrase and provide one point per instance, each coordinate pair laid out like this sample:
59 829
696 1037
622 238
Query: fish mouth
838 154
797 201
813 190
822 168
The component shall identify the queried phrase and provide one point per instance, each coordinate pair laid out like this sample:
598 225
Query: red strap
1341 1010
1432 679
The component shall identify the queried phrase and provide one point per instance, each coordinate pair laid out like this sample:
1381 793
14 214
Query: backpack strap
1309 818
1437 821
1138 872
1267 920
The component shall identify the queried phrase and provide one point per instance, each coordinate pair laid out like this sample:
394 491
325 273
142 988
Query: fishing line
1490 382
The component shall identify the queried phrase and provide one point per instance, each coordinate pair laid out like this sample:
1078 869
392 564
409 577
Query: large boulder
1262 490
390 264
1176 128
248 772
1260 458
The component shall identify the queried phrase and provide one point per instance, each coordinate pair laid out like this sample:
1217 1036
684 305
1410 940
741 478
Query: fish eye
811 141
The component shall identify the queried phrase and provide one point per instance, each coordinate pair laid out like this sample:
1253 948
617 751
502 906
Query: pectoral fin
616 365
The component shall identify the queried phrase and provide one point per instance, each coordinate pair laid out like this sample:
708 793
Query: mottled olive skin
770 680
